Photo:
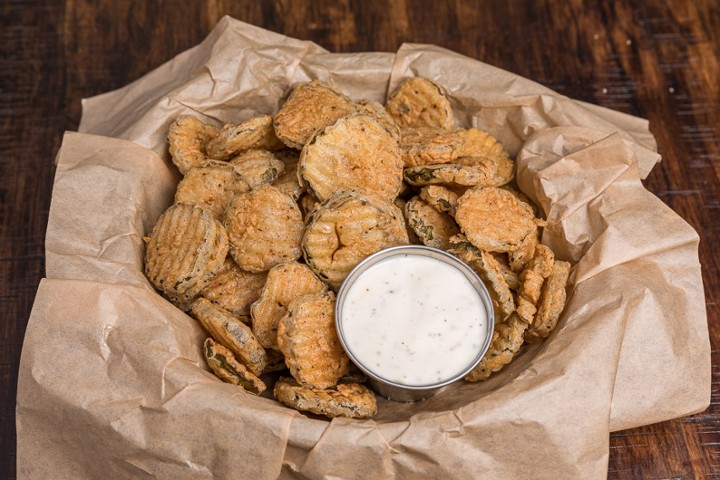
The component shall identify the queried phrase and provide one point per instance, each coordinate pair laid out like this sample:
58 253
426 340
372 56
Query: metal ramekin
413 393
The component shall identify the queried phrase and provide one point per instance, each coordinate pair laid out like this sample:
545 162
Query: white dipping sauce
414 320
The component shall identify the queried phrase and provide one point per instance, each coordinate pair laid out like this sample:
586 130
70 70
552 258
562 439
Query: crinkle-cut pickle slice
490 271
186 247
307 338
440 198
211 185
551 304
480 173
480 144
433 228
349 227
285 282
377 111
234 289
419 102
355 152
223 364
350 400
507 340
309 107
493 219
258 167
264 227
231 333
254 133
187 139
429 146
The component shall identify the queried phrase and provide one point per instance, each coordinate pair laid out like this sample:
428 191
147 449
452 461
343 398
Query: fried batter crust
418 102
344 400
307 337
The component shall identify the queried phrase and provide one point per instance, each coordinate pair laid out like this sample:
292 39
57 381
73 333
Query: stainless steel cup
390 389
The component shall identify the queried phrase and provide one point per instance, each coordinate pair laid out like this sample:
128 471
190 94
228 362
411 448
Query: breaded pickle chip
520 257
551 304
255 133
543 260
418 102
307 337
346 229
440 198
258 167
528 294
223 364
234 289
288 181
429 146
264 227
355 152
188 138
480 173
344 400
212 186
480 144
186 248
507 340
377 111
285 282
493 219
531 282
233 334
433 228
309 107
490 271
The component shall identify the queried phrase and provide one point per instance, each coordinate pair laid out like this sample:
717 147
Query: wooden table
654 59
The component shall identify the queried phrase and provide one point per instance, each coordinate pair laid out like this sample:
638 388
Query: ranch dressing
414 320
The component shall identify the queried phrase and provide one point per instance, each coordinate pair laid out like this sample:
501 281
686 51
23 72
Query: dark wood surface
655 59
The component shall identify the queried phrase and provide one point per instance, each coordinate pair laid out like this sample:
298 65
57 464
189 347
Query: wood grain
655 59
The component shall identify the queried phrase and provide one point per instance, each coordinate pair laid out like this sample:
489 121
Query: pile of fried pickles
272 214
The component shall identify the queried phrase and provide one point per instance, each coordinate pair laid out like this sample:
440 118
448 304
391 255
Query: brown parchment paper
112 383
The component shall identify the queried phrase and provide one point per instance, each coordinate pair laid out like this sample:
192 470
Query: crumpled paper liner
112 383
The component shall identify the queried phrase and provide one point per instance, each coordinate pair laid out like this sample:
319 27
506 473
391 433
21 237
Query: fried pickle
344 400
551 304
418 102
440 198
346 229
480 173
258 167
429 146
264 227
355 152
507 340
212 186
285 282
480 144
309 107
493 219
252 134
234 289
377 111
186 248
489 270
307 338
233 334
188 138
223 364
433 228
